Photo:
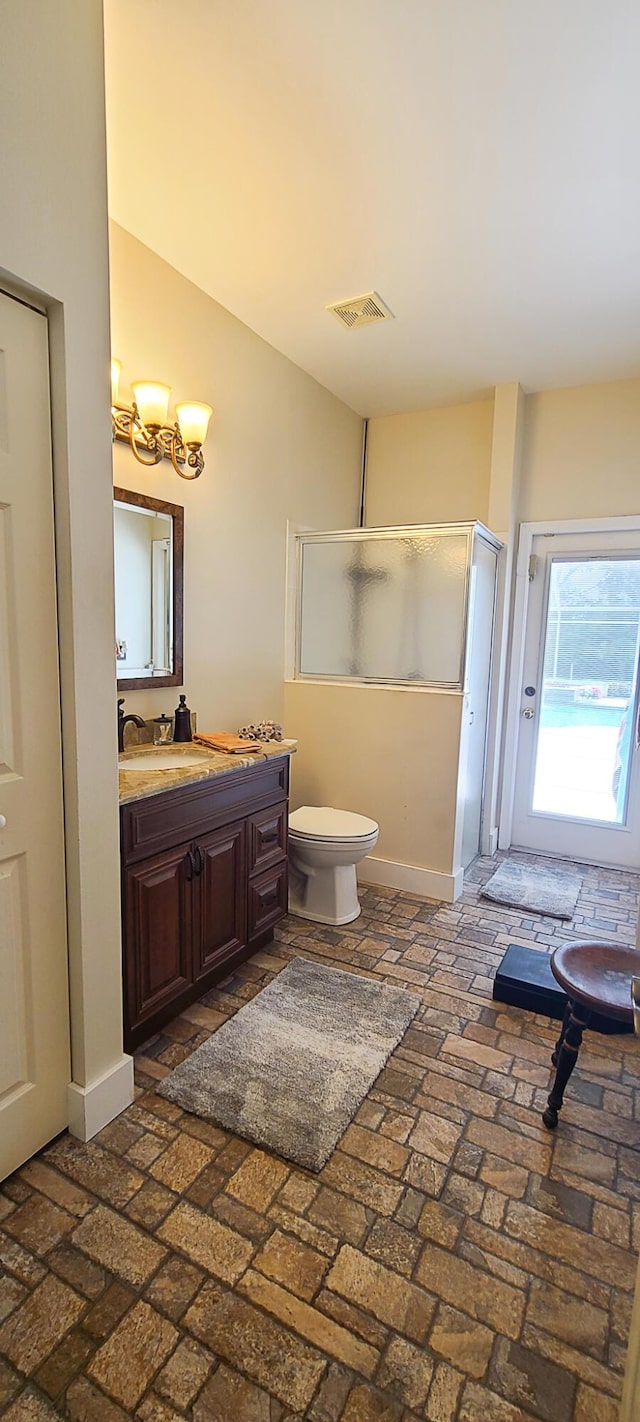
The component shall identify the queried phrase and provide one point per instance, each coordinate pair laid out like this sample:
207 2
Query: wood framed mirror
148 552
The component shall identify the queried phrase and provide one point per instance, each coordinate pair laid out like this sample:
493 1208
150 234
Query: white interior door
34 1013
577 790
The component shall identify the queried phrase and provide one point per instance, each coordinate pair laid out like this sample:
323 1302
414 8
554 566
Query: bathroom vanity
204 876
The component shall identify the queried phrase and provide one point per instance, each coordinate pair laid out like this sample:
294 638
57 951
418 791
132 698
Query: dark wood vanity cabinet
204 881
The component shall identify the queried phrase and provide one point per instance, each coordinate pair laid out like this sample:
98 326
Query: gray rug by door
291 1068
543 887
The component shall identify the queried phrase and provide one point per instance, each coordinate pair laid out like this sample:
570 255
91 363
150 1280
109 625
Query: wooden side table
596 978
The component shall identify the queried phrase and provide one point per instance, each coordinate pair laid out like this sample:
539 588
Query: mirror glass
148 538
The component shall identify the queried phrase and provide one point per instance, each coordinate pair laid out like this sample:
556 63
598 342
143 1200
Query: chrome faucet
123 721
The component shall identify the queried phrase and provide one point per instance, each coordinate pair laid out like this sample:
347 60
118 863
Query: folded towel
224 741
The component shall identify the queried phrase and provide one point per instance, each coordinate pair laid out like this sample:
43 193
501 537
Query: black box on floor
524 979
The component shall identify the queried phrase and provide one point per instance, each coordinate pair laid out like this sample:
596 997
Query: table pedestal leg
576 1018
565 1023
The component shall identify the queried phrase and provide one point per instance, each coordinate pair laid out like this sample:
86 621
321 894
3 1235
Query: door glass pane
587 698
385 609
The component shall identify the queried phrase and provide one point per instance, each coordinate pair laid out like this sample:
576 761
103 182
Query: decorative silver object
635 998
264 731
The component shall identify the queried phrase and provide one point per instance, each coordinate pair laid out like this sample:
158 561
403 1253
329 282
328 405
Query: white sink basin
163 760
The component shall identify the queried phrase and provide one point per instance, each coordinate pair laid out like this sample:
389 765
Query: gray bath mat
291 1068
543 887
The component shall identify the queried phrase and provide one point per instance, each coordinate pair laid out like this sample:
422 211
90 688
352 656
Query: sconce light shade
116 369
193 419
144 427
152 400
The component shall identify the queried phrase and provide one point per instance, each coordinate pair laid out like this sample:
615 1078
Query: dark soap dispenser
182 721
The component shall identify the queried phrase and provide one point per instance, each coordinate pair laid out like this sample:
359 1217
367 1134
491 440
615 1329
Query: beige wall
53 238
581 452
388 753
429 467
580 458
280 447
561 454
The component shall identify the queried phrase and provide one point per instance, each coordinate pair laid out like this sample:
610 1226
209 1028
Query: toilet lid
321 822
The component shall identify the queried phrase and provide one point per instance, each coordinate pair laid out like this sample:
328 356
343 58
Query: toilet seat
322 823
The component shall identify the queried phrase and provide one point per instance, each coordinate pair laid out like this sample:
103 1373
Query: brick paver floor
451 1262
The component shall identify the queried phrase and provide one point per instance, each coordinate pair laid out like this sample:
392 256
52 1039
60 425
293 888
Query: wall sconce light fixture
144 425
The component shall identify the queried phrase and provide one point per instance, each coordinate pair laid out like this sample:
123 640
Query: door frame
624 523
101 1084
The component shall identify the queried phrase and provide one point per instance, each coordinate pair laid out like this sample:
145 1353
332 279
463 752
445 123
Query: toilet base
302 912
327 896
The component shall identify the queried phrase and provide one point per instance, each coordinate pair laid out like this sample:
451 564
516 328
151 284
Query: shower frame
472 529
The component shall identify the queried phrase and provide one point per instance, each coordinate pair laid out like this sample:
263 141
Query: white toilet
324 847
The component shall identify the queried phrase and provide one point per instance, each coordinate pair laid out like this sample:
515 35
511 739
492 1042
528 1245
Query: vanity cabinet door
157 935
222 928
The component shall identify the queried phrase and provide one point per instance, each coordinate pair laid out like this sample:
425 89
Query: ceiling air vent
361 311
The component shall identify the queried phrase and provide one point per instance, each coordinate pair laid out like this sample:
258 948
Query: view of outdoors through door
587 696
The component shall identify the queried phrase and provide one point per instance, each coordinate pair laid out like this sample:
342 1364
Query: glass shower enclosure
391 605
409 607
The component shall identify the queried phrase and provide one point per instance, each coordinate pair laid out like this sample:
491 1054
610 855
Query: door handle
528 713
190 866
2 821
199 861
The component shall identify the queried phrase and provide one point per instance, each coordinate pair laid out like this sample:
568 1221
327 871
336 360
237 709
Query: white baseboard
92 1107
429 883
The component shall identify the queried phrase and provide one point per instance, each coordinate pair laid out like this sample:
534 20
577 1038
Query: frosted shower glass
389 608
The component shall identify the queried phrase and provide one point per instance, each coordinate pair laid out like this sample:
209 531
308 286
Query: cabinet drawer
267 838
157 822
267 899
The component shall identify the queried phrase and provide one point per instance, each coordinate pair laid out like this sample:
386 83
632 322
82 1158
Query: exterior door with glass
577 791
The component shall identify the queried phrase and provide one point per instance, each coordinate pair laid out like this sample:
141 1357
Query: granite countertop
138 784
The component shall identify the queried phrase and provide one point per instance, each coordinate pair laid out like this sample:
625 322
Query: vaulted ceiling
473 161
